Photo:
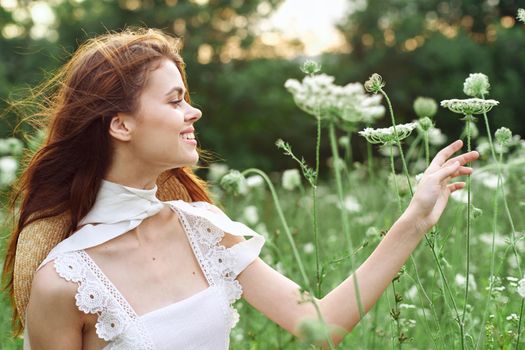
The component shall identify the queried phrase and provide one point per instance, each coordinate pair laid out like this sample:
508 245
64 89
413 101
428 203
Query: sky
311 21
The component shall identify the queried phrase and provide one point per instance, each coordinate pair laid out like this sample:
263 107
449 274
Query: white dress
202 321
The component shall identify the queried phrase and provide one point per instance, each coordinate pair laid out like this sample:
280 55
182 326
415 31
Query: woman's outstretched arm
278 297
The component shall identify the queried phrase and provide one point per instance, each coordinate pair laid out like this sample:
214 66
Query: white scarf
119 209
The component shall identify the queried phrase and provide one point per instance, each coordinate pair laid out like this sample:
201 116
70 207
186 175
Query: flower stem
344 217
519 324
396 314
405 169
468 119
430 243
292 243
348 149
315 213
370 160
392 167
492 264
427 150
395 311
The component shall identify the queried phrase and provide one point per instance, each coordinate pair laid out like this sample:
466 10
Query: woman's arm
53 320
278 297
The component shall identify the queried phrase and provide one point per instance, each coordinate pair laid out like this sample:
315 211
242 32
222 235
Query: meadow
462 288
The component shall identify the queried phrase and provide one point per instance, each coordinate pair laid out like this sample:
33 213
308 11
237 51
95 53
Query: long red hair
104 76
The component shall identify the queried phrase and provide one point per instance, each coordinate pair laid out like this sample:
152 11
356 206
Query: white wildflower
250 214
8 167
476 85
308 248
436 137
388 135
521 287
521 15
487 179
461 280
351 204
291 179
263 230
216 171
460 196
254 181
469 106
407 306
412 292
512 317
499 240
385 150
318 95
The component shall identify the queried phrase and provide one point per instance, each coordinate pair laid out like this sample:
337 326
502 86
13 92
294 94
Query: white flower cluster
521 15
318 95
469 106
387 135
8 168
476 85
291 179
10 149
436 137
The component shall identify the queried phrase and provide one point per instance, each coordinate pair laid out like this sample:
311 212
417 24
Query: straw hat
38 238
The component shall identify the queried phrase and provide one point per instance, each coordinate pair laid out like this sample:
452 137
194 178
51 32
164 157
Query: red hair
103 77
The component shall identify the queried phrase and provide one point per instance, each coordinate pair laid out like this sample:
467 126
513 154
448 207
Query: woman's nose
193 114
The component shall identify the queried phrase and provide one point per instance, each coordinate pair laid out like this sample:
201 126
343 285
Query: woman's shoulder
53 298
49 286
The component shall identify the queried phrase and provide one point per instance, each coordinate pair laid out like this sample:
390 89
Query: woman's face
163 127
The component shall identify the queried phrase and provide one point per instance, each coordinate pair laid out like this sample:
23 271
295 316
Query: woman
138 273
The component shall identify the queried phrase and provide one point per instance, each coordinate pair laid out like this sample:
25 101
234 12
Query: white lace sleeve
117 322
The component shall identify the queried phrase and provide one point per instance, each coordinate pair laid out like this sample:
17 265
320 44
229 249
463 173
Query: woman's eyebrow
178 89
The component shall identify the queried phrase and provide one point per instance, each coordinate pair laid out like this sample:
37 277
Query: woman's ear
121 126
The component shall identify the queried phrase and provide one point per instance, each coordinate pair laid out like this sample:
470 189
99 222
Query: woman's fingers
463 170
447 171
455 186
463 158
445 154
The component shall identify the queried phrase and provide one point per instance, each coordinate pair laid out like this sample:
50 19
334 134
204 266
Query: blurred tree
428 48
240 98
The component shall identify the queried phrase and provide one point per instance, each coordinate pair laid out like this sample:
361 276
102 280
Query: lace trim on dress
217 262
117 323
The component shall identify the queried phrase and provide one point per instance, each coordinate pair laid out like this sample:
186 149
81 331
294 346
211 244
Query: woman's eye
176 102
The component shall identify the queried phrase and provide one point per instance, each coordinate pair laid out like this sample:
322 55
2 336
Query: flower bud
425 107
476 85
374 83
503 136
310 67
425 123
476 212
234 183
343 141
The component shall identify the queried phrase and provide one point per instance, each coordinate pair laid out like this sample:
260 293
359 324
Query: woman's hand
434 189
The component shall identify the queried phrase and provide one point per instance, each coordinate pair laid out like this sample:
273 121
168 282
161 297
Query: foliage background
420 47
